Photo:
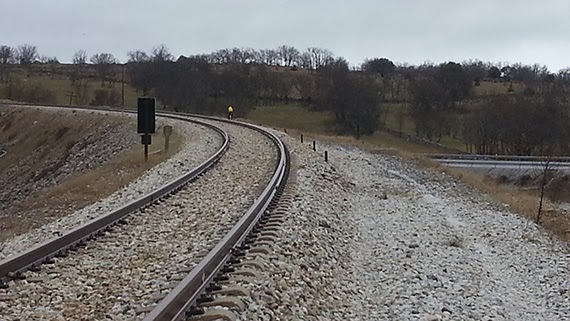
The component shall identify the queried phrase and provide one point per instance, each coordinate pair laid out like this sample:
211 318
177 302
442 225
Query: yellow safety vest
230 109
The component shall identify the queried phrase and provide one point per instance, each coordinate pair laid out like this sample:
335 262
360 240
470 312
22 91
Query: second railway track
124 270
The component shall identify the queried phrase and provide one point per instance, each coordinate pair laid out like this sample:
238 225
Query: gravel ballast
374 237
119 273
202 142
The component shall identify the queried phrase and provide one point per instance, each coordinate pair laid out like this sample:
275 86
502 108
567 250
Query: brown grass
61 87
495 88
522 202
47 204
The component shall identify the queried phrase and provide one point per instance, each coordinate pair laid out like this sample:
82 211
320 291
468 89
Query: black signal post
146 121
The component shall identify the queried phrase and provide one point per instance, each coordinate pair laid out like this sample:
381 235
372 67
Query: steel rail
180 299
39 253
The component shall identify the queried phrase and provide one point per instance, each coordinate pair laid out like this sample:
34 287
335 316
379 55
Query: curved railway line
228 239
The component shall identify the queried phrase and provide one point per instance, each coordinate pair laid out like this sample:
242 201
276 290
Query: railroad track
184 296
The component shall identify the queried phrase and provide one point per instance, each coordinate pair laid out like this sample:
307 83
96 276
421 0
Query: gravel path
373 237
115 275
202 143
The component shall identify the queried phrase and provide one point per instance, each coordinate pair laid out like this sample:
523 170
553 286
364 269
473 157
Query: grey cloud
404 31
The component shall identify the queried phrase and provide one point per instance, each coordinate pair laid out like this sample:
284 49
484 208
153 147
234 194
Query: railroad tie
215 314
256 263
233 291
247 272
239 279
168 286
228 302
266 237
144 310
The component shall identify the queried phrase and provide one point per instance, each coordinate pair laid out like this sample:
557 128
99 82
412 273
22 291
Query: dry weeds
520 201
83 188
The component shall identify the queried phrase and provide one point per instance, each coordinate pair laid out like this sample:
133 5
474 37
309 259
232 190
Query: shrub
32 92
103 97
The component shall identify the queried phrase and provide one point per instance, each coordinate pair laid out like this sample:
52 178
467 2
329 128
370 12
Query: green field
299 119
291 116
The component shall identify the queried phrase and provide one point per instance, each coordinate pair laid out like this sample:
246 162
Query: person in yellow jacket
230 112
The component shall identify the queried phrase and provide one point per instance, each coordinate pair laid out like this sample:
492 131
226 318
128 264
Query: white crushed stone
374 237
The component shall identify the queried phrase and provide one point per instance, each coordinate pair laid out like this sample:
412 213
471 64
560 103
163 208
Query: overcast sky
405 31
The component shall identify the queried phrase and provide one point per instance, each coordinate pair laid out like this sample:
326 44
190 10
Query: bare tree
27 54
48 60
354 100
217 57
254 56
249 56
138 56
80 57
161 53
237 56
103 59
382 66
428 110
7 55
104 65
305 60
269 56
288 55
564 74
545 171
319 57
80 87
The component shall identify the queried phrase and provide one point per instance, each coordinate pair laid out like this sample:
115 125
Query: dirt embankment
58 161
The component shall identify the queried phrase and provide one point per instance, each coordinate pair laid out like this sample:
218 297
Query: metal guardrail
505 163
551 159
174 306
48 249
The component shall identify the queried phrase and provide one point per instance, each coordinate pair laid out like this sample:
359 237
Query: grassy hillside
60 86
56 81
298 119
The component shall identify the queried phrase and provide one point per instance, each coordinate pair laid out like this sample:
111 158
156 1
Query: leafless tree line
438 98
520 124
287 56
531 121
